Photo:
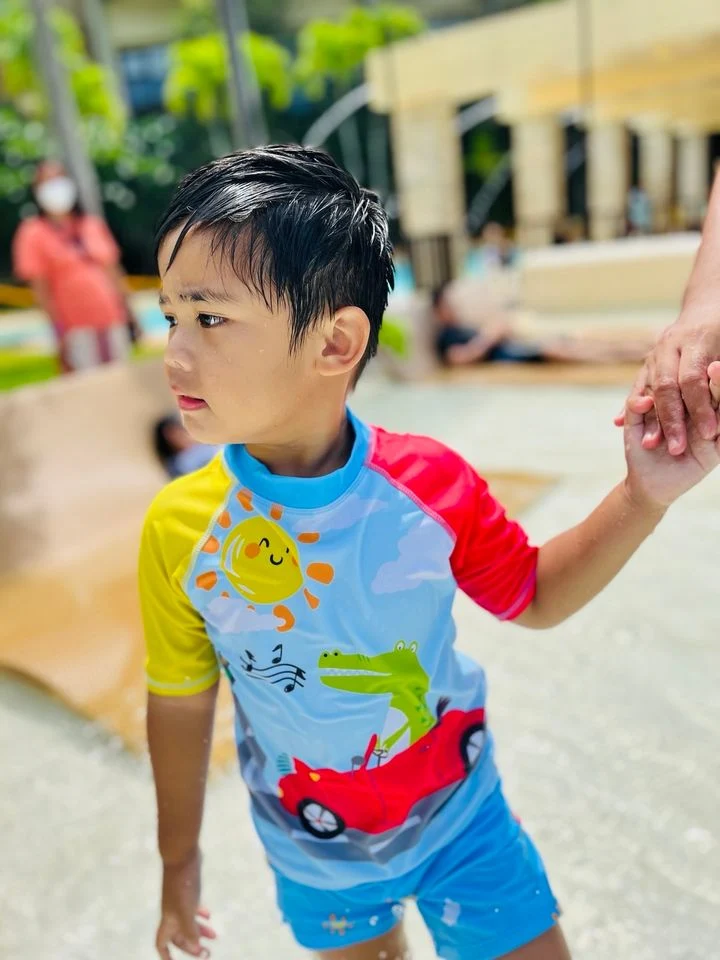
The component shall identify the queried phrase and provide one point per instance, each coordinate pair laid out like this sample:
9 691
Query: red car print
375 799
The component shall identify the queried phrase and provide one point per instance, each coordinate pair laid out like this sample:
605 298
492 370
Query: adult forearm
705 276
179 737
577 565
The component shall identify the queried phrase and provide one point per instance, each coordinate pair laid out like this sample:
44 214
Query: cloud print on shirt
348 513
234 616
423 556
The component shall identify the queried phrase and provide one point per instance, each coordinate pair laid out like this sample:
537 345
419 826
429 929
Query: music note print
277 670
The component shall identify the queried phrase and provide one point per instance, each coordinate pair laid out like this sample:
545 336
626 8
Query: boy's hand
182 923
655 477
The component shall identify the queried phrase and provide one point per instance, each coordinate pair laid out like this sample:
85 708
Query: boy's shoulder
411 455
196 495
433 475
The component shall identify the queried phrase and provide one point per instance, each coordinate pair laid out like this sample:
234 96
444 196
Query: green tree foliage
22 86
199 17
331 53
196 83
329 62
482 155
124 152
138 162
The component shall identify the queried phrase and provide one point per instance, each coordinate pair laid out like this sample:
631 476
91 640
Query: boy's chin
204 433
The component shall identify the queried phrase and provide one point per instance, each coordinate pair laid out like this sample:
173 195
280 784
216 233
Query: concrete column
656 173
608 177
538 162
431 195
693 165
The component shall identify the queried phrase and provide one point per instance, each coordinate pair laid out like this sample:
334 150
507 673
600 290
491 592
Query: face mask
58 195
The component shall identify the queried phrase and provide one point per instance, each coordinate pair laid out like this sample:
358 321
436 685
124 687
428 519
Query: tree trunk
63 111
350 145
247 116
352 148
101 47
218 138
378 161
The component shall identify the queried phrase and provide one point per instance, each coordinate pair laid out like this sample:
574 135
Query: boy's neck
321 450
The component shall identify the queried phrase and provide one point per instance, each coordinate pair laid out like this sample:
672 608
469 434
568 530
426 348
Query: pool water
153 322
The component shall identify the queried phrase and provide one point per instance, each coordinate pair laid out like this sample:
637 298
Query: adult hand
656 478
672 388
674 379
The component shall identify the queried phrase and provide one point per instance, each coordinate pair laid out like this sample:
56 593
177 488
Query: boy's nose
177 357
176 363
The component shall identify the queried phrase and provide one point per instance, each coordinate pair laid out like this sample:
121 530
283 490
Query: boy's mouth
190 403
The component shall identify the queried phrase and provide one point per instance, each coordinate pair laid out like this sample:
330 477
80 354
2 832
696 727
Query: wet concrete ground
608 733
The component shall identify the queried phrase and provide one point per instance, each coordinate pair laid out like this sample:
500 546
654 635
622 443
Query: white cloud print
348 513
234 616
422 556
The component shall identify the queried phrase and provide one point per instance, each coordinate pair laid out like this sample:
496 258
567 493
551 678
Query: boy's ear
345 338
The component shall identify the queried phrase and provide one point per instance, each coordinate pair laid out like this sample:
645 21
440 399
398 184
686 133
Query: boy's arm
182 673
577 565
494 564
179 735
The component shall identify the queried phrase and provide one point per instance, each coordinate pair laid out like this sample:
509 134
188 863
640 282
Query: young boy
316 560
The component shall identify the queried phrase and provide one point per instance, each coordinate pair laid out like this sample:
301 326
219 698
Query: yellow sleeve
180 658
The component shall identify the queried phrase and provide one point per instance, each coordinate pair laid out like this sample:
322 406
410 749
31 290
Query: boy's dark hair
297 228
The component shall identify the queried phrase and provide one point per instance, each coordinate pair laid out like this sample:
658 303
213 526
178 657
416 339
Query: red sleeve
492 561
29 252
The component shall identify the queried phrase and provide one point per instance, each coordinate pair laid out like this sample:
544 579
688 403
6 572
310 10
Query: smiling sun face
262 561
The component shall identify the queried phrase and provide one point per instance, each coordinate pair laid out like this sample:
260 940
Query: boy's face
228 357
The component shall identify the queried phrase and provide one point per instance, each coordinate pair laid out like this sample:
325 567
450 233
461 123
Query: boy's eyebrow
199 295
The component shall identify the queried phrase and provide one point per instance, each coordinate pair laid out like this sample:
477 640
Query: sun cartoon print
261 561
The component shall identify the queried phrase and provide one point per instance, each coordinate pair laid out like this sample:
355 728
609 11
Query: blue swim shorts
483 896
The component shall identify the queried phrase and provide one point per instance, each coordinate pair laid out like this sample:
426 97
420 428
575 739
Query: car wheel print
318 820
472 744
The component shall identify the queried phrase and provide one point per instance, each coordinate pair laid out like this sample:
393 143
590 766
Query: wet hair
164 450
297 229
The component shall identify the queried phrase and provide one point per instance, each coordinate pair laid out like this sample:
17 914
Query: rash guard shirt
327 603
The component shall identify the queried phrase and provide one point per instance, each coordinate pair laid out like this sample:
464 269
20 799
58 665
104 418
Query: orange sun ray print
262 562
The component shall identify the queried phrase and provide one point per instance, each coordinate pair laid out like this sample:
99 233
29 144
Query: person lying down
459 345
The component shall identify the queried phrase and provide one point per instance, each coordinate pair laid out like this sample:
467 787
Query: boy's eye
172 322
210 320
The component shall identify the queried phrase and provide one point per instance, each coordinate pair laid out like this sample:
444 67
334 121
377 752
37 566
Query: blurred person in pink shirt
72 262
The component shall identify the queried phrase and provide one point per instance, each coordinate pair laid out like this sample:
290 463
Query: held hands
676 374
656 477
183 921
